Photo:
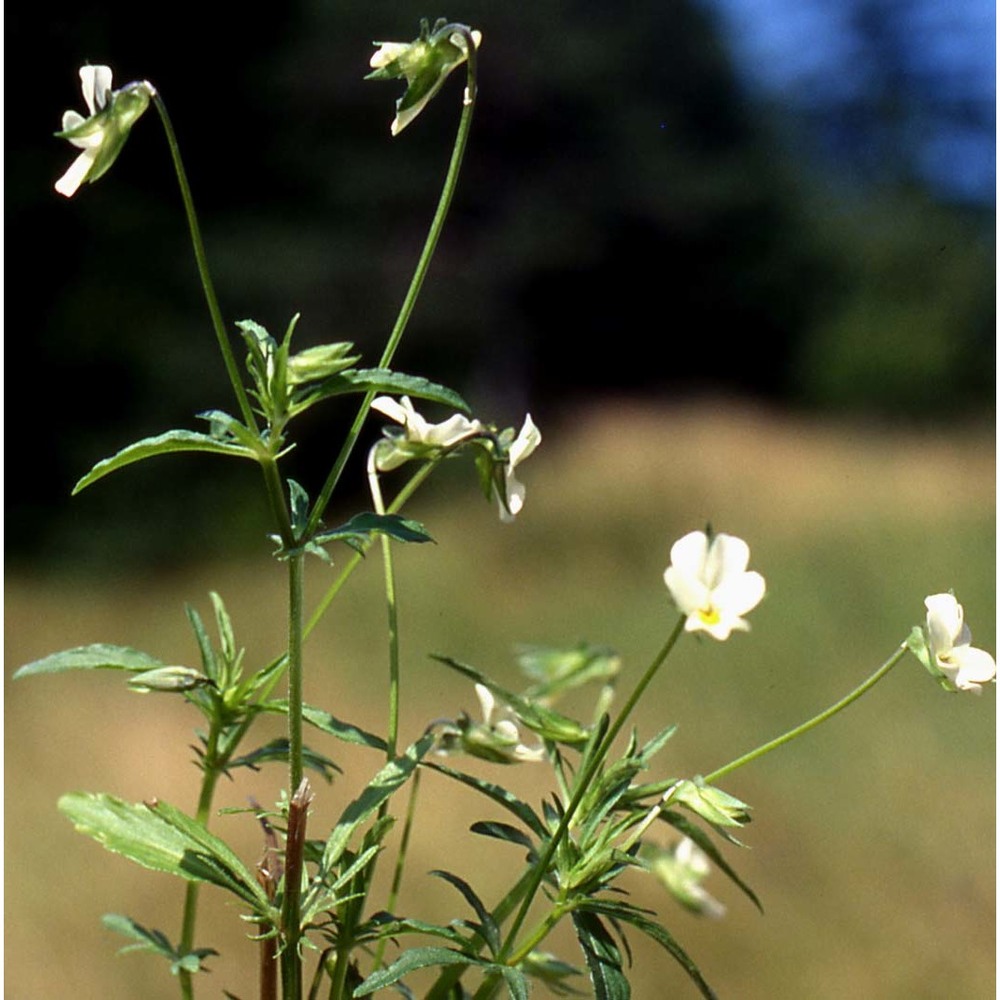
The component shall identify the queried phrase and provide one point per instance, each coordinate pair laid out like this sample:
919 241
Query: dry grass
872 846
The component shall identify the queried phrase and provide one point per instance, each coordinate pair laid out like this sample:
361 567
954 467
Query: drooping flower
496 738
419 437
681 870
948 652
102 134
424 62
709 582
510 494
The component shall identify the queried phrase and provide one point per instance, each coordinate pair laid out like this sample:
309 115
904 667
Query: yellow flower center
709 616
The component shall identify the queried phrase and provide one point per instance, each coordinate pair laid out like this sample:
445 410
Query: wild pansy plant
318 927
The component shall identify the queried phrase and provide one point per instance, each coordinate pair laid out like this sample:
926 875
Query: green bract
102 134
425 64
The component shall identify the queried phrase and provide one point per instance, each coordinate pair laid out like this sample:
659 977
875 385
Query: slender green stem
209 778
583 786
812 723
397 874
206 279
390 601
416 282
352 564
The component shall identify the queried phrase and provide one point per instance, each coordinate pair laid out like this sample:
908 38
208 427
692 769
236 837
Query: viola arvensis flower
102 134
511 499
709 582
424 62
681 870
945 647
496 738
419 437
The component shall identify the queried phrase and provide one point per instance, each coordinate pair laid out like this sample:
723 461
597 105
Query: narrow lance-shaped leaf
388 780
638 919
329 724
410 961
604 960
361 526
169 443
99 656
487 926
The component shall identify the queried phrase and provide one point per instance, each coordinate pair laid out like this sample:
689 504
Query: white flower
709 583
495 739
419 436
102 134
959 665
503 729
425 63
681 870
512 499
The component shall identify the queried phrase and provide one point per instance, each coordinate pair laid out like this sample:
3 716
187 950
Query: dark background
790 201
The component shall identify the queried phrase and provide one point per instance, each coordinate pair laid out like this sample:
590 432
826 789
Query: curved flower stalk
425 63
102 134
945 647
709 582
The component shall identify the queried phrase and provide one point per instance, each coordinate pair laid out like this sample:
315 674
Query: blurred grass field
872 846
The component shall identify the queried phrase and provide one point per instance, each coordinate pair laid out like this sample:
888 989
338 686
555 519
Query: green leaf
487 927
638 919
498 794
603 958
388 781
410 961
384 380
277 751
328 724
161 838
362 526
99 656
164 444
556 670
156 942
503 831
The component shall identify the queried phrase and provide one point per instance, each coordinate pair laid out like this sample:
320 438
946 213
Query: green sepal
156 942
160 837
172 442
114 122
99 656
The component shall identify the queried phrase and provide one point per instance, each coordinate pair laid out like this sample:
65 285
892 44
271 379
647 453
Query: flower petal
77 173
95 81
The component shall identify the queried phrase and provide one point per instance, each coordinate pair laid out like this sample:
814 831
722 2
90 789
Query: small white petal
486 702
95 81
71 180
